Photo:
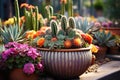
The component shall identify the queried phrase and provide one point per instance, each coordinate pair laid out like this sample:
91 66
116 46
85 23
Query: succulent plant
85 26
11 34
103 38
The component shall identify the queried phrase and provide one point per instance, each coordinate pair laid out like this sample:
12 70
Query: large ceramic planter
66 63
18 74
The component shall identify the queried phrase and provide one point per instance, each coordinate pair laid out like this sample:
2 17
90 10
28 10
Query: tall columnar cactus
36 18
17 13
70 7
0 23
54 28
49 11
63 2
71 21
32 21
64 23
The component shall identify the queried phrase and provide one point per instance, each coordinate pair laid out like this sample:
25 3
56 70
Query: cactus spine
54 28
17 13
49 11
64 23
70 8
71 21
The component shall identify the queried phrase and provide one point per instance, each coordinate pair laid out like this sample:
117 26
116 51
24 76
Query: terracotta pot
18 74
115 31
101 53
66 63
114 50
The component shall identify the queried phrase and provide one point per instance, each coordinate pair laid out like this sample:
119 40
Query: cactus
72 24
64 23
63 8
32 22
17 13
54 28
49 11
36 17
70 8
0 23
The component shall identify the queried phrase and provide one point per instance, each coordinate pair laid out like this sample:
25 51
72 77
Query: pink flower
32 53
39 66
29 68
7 53
97 24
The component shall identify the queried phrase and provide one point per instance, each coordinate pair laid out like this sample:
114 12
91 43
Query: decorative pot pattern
66 63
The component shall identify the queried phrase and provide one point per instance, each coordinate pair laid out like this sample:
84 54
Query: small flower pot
18 74
101 53
114 50
66 63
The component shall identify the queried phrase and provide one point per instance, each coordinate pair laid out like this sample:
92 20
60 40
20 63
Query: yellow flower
11 20
94 48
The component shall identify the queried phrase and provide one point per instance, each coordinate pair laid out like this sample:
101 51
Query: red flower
88 38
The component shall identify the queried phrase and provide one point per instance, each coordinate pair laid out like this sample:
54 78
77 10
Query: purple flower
29 68
32 53
104 24
7 53
39 66
12 45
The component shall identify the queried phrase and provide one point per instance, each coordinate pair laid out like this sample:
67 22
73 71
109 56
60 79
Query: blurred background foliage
97 8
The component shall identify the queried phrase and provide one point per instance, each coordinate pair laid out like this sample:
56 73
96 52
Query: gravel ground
96 65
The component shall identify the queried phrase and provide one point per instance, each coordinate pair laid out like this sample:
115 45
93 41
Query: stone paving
104 70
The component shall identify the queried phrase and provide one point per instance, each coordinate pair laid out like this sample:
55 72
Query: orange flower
94 48
31 7
88 38
24 5
31 34
54 39
40 42
63 1
67 44
77 42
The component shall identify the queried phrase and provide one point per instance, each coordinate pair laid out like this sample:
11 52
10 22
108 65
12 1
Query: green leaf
2 48
61 37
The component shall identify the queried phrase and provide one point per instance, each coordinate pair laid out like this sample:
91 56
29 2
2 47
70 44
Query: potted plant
65 50
23 61
103 40
115 49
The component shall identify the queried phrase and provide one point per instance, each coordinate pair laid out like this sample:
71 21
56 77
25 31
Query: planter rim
65 50
111 28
